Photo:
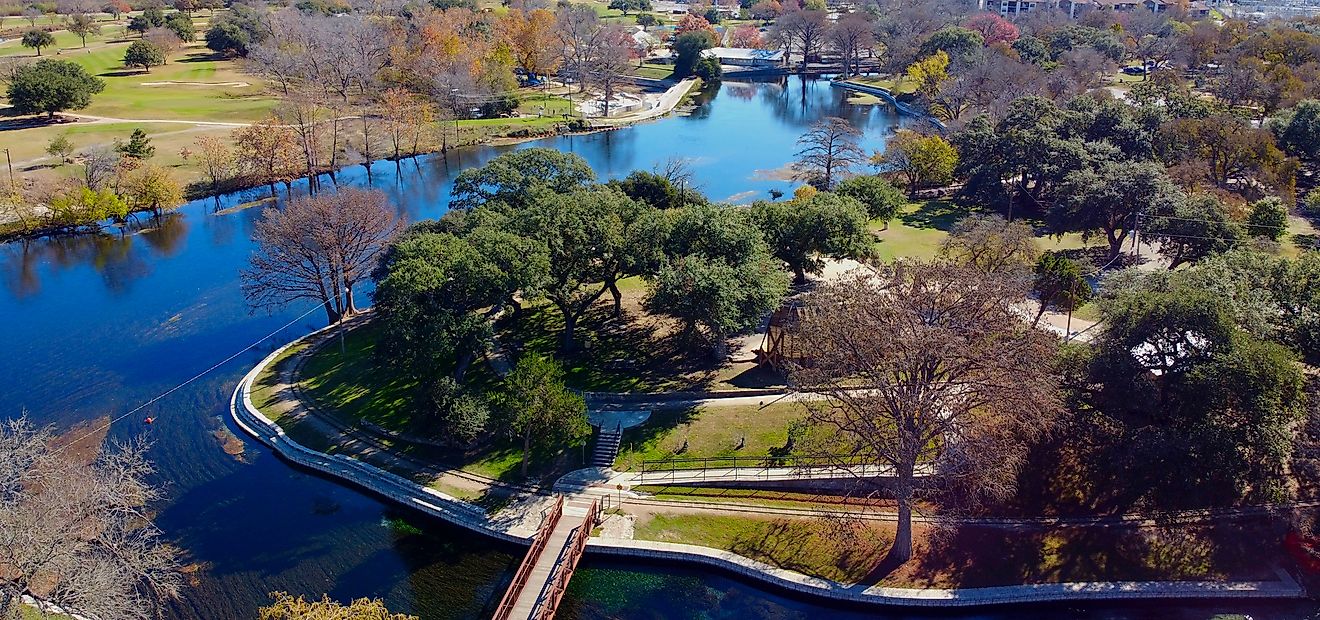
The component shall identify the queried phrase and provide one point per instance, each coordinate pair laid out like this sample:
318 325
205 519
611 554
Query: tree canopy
50 86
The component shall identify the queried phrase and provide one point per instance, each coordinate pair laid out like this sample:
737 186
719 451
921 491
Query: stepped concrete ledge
432 502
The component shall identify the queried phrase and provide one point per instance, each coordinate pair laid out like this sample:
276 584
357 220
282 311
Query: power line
190 380
1189 219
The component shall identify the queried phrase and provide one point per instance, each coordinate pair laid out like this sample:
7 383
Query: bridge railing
529 561
574 552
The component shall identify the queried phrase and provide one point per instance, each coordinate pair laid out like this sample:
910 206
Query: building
746 56
1076 8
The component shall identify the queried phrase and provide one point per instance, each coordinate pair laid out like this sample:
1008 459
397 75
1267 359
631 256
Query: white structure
746 56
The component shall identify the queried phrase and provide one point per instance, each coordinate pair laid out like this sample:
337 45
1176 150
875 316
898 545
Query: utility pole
11 169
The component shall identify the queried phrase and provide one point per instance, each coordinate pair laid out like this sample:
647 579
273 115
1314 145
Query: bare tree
991 244
78 535
612 62
851 36
925 368
98 166
802 30
827 150
579 35
317 248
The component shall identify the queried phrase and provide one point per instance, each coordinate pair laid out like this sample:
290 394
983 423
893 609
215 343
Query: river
96 326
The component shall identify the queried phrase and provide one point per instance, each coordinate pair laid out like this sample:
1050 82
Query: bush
1311 204
1268 219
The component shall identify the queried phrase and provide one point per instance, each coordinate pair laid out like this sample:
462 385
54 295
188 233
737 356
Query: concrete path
667 103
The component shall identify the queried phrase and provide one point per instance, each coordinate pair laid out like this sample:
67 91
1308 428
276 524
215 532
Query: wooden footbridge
541 579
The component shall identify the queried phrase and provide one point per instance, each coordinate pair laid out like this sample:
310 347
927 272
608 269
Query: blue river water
95 326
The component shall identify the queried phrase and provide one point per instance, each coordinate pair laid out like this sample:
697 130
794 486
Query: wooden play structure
779 348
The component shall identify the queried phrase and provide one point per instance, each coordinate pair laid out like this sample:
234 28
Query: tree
138 146
881 199
317 248
921 160
1193 228
228 38
851 36
966 424
164 39
708 69
803 31
60 146
116 8
747 36
991 244
143 54
152 188
268 151
716 274
52 86
1298 129
431 289
693 23
216 160
32 14
286 607
99 166
540 409
37 39
182 26
993 29
1204 406
1268 219
930 74
960 44
800 232
1232 154
83 25
612 64
647 20
1060 284
535 43
1110 198
688 48
79 535
827 151
510 177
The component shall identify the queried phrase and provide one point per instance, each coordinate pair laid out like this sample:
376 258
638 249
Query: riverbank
598 483
15 227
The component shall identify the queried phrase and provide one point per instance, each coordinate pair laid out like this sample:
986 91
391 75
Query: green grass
921 227
887 83
710 431
808 546
654 71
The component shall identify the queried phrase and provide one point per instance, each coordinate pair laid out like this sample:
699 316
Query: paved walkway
667 103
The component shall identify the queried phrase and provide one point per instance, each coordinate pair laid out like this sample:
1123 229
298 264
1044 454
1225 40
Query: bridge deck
536 600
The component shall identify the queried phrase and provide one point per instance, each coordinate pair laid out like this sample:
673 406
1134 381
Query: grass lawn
887 83
654 71
844 552
168 138
920 227
354 386
710 431
850 551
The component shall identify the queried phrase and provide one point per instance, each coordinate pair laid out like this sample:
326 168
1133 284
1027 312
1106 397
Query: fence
758 467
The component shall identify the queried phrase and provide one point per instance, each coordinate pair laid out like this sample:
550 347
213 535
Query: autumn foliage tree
957 384
993 28
318 247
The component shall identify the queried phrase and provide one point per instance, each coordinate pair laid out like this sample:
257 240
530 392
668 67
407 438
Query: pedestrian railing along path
543 576
697 470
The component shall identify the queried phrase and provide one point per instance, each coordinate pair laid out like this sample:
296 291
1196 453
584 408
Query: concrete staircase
607 447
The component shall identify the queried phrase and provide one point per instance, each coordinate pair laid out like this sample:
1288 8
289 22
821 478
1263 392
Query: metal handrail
519 582
570 561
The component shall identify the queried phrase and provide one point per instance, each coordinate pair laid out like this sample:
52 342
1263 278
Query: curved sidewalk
453 510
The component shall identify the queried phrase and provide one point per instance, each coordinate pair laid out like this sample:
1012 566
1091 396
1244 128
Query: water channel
95 326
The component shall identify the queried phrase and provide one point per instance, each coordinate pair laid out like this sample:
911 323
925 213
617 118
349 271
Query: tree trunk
349 307
902 549
613 285
799 275
566 343
1039 313
461 367
721 348
527 449
516 308
330 314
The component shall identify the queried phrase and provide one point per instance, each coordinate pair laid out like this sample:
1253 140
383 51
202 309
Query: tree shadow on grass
938 214
123 73
661 422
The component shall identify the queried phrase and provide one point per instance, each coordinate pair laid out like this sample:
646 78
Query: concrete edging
463 514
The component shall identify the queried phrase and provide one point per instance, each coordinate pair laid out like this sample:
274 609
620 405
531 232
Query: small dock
541 578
